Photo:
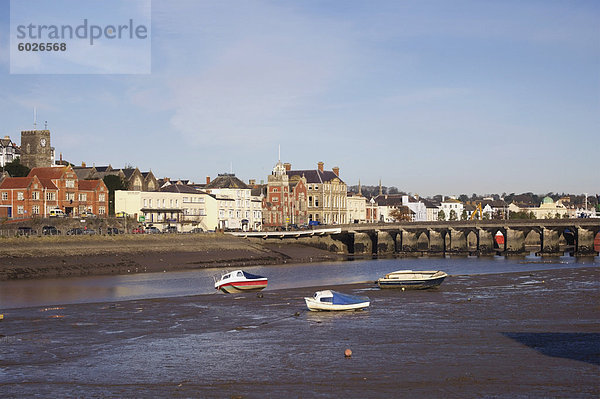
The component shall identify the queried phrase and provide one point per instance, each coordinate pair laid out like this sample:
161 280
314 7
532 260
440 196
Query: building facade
327 194
286 199
9 151
50 188
184 209
236 206
26 197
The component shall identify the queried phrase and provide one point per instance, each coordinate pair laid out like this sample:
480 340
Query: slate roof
180 188
226 180
315 175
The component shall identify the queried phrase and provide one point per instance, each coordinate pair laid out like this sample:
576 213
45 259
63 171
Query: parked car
197 230
137 230
113 230
170 229
25 231
152 230
89 232
57 213
121 215
50 231
87 214
75 232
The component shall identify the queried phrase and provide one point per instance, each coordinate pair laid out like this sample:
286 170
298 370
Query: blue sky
432 97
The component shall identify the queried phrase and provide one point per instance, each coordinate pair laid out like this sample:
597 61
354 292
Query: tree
441 215
453 215
464 216
113 183
15 169
463 198
402 213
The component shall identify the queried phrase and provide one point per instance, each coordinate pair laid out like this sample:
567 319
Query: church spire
359 188
380 190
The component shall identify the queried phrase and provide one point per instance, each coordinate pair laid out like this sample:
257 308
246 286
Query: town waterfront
529 331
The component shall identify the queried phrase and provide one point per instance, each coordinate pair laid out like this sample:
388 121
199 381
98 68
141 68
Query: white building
237 208
418 207
356 208
186 208
452 208
8 151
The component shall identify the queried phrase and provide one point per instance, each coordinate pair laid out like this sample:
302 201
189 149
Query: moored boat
412 279
240 281
333 300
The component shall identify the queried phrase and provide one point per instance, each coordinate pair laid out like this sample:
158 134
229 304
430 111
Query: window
102 210
145 202
82 197
20 209
70 183
35 195
20 196
51 196
102 197
70 196
35 209
4 195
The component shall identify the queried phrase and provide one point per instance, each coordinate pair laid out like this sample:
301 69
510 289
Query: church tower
35 148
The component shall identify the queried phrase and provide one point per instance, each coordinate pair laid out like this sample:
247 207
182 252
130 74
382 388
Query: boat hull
243 286
316 306
410 284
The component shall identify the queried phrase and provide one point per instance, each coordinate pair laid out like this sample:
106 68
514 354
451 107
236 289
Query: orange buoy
348 353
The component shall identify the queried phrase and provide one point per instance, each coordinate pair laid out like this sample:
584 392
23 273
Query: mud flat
534 334
70 256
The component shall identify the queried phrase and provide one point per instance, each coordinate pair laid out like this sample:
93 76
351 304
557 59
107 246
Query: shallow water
47 292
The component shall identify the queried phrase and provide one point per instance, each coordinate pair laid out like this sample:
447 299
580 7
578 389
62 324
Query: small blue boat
333 300
410 279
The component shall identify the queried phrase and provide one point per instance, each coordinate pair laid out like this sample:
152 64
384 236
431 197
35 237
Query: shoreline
58 257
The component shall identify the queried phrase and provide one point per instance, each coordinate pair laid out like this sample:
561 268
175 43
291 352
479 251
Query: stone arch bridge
546 237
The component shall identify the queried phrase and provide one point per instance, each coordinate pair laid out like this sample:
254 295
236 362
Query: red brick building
51 188
25 197
285 202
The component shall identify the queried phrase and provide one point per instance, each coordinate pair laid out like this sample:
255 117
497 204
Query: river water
46 292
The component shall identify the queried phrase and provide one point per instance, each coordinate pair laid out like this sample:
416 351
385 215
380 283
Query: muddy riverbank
71 256
524 334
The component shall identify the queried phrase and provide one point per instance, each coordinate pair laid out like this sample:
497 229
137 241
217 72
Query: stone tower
35 148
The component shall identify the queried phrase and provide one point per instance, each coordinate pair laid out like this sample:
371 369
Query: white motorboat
333 300
240 281
412 279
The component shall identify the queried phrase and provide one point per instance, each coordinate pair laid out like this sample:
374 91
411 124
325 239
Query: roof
48 184
16 182
180 188
226 180
315 175
48 173
88 184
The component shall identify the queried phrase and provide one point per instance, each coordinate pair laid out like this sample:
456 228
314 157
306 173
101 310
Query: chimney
336 170
207 179
82 163
287 166
320 165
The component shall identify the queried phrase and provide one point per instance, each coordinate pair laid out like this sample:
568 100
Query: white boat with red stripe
240 281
